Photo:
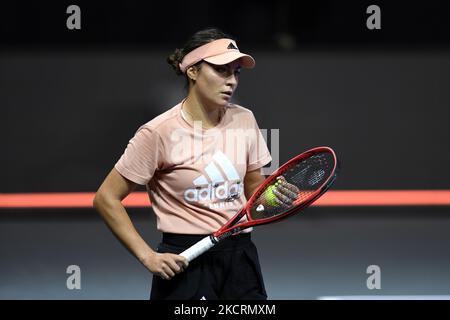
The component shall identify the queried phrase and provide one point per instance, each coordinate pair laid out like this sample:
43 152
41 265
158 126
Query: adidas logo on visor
232 46
225 182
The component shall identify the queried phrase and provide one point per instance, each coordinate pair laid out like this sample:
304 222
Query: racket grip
197 249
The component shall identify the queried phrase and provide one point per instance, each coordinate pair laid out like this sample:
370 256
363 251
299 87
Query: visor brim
246 60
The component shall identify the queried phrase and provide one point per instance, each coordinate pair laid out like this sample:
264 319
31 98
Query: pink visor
218 52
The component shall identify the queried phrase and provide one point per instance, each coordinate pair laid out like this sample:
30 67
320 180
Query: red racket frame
231 227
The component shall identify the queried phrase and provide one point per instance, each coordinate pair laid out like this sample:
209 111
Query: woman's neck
198 111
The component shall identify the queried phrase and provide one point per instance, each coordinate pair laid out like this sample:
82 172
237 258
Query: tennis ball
270 197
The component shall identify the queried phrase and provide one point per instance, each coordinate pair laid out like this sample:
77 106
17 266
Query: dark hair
196 40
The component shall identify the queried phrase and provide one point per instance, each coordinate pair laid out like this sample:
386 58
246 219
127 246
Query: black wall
67 116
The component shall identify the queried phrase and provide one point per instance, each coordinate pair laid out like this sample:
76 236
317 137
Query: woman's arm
252 180
108 202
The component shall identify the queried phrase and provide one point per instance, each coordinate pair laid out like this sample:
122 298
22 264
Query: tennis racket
311 174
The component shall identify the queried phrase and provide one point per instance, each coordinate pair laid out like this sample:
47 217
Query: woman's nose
232 80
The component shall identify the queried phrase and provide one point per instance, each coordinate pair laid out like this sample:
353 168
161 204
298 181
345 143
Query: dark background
71 100
148 24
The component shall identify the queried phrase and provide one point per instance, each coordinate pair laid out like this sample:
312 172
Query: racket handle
197 249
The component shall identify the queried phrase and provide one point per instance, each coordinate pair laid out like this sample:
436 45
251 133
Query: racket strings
308 175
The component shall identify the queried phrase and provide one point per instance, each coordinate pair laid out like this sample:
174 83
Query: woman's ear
192 73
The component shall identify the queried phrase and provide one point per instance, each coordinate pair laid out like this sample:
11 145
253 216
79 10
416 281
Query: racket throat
227 234
214 239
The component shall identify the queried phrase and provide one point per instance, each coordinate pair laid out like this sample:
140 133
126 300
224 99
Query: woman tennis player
199 161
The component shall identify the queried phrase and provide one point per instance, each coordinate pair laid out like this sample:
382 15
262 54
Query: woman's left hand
285 192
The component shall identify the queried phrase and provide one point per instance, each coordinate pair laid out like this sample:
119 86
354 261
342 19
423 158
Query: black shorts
229 270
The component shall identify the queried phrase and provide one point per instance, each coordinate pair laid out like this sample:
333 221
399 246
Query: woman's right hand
165 265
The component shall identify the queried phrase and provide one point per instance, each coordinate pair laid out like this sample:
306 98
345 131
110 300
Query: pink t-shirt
195 177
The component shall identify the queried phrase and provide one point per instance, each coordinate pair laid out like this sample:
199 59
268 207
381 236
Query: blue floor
322 253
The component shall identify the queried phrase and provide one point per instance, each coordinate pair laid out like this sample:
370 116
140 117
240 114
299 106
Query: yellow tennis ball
270 197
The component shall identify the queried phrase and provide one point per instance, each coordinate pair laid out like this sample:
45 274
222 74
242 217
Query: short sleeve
259 154
141 157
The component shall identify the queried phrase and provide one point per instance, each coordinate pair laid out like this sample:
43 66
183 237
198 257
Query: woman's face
215 84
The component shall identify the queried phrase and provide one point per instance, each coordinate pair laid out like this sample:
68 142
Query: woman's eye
227 71
221 69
